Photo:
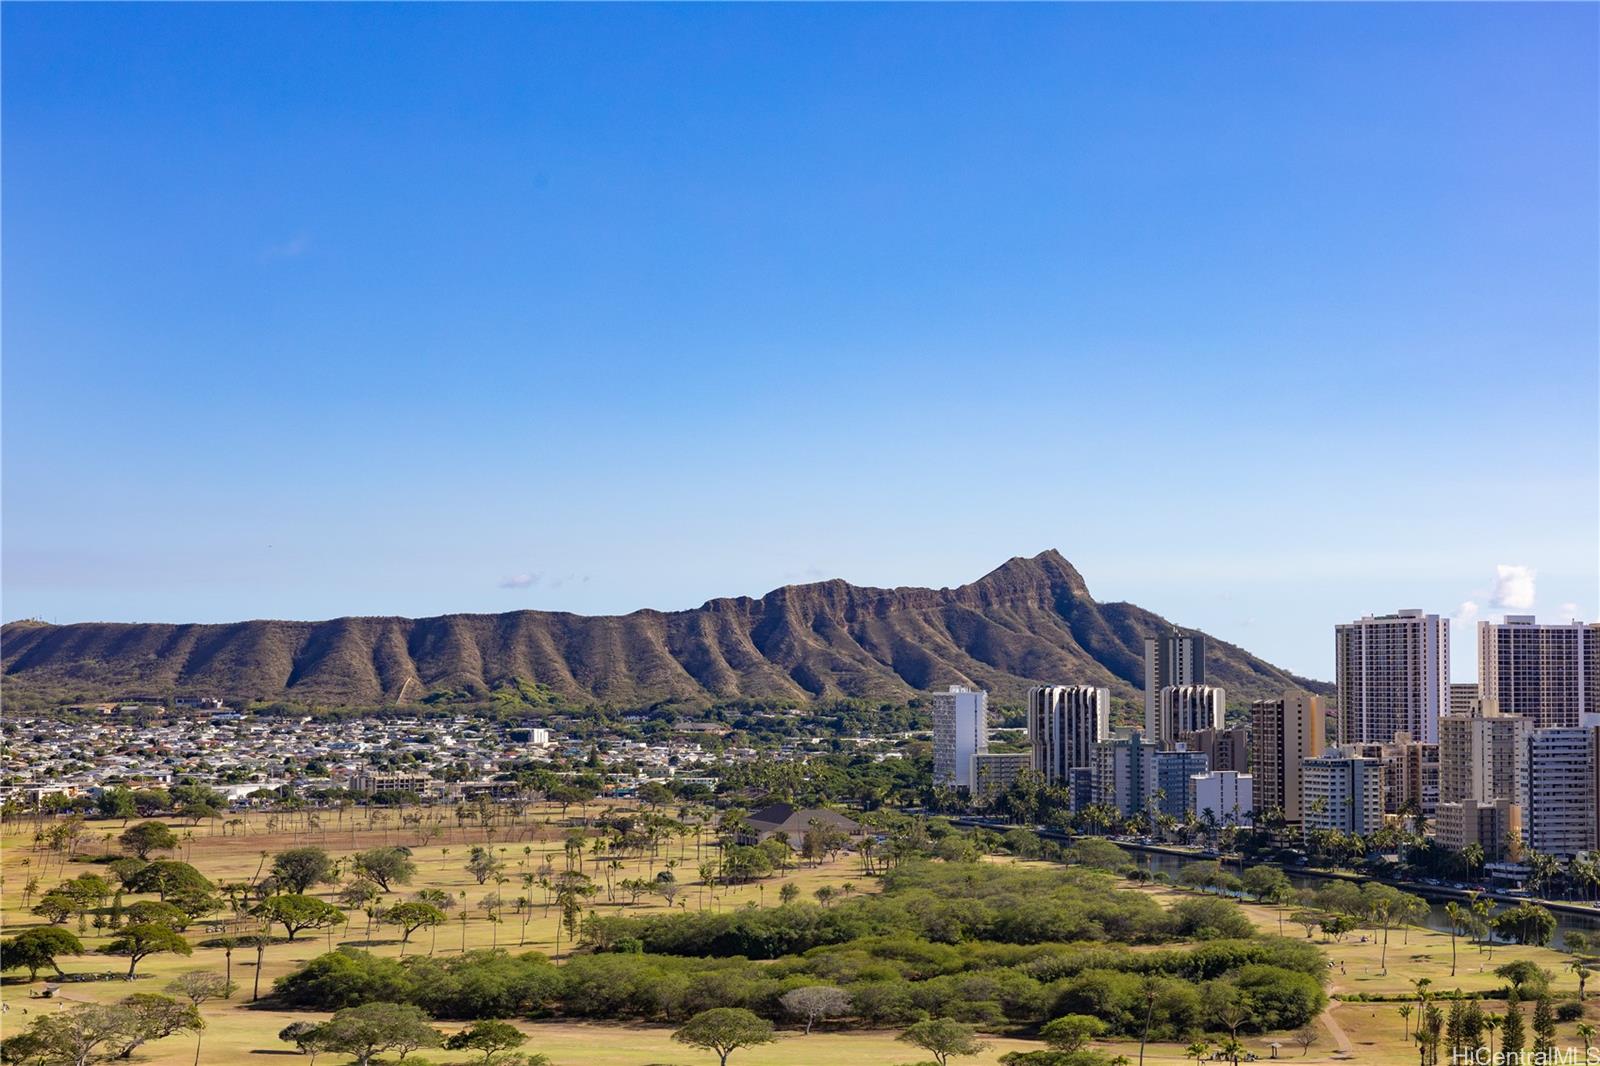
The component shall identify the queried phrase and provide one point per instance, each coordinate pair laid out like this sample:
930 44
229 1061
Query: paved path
1340 1037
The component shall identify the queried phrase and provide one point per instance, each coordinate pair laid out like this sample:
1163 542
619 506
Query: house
784 821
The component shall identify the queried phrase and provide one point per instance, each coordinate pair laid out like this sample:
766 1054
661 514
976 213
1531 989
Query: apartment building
1393 673
1342 792
1188 708
1562 807
1539 671
960 731
1173 659
1283 734
1065 722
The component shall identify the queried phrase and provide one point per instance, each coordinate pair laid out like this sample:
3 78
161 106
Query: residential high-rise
1174 659
1065 722
1227 794
1124 773
1225 749
1538 671
1343 792
1172 792
960 731
1393 673
1482 779
1283 734
994 771
1416 785
1462 696
1186 708
1562 808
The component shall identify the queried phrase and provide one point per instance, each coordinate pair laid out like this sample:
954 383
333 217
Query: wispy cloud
1466 612
1567 611
519 581
293 248
1513 587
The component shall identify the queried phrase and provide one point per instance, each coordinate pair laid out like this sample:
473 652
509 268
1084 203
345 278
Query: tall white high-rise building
1188 709
1539 671
1174 659
1393 673
1065 722
960 731
1562 807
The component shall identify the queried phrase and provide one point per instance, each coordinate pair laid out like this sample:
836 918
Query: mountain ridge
1028 621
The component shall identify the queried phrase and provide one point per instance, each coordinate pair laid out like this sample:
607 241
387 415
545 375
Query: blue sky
1266 316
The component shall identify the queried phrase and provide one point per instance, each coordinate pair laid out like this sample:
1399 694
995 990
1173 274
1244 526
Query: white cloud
1513 587
1567 611
1466 612
519 581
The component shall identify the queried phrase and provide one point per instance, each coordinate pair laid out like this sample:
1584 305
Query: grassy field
238 1032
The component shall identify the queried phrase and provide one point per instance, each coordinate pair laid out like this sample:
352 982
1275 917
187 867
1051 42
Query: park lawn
237 1033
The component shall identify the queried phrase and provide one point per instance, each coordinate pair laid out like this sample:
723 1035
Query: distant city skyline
1267 317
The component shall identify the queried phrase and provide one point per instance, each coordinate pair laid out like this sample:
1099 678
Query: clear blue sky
1266 316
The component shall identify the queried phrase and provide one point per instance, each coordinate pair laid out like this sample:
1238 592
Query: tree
387 866
296 913
1514 1037
146 837
944 1037
1525 976
1072 1032
410 917
1544 1028
814 1002
724 1030
482 864
489 1037
1526 923
76 1035
154 1017
1305 1037
168 877
299 868
143 939
372 1028
788 893
34 949
199 986
305 1036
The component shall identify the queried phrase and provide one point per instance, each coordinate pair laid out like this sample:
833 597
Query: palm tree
1454 912
1580 968
1197 1051
1405 1019
1491 1022
1585 1033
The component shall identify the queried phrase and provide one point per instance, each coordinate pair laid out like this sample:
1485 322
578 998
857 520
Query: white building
1342 792
1189 709
1227 794
960 731
1562 806
1541 672
1174 659
1393 673
1065 722
1483 761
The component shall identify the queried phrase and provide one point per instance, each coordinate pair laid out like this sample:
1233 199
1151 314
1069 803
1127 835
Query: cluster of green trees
81 1033
977 944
